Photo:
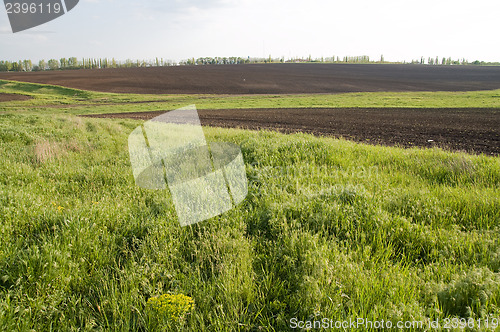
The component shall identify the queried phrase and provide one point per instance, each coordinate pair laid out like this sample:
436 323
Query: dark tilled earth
271 78
471 130
12 97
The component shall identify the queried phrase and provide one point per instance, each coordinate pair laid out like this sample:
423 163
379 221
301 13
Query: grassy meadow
330 228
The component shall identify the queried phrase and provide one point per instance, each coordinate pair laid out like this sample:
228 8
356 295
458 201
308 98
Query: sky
181 29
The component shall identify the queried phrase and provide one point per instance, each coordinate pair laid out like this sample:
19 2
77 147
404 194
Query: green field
330 228
49 95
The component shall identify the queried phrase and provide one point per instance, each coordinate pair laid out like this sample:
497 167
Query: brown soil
272 78
471 130
12 97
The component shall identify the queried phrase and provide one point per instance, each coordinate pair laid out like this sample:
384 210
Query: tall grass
330 228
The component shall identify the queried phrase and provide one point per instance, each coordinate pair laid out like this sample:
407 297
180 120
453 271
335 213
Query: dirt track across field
12 97
471 130
272 78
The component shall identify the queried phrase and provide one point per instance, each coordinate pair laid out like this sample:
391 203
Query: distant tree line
215 61
85 63
450 61
102 63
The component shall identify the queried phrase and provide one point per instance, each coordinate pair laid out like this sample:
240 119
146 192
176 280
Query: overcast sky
179 29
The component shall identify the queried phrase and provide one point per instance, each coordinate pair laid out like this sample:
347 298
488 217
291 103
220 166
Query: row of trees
101 63
449 61
332 59
94 63
85 63
216 61
366 59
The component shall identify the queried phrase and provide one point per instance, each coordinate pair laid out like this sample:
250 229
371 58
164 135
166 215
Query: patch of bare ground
271 78
459 129
12 97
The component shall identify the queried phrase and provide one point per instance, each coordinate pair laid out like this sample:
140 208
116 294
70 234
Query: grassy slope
96 102
330 228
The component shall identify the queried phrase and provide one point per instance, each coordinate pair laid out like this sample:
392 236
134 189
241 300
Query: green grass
330 228
97 102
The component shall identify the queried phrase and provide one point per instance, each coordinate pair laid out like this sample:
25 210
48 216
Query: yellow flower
171 306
